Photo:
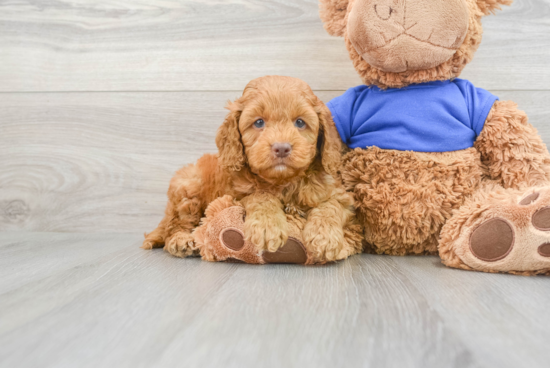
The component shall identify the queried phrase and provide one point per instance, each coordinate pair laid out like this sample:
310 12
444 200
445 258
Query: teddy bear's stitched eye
300 124
259 124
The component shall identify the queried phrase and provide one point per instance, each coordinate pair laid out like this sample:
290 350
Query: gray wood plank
153 290
101 162
136 308
27 257
85 45
488 312
349 314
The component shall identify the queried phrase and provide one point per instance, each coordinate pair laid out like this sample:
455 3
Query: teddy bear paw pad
531 198
232 238
541 219
544 250
292 252
511 235
492 240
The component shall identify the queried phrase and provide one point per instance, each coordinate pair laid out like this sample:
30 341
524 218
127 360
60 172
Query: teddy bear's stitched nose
384 12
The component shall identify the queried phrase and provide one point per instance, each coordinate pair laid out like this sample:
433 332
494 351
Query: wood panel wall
101 101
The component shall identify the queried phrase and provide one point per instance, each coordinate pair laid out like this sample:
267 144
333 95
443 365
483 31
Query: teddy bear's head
394 43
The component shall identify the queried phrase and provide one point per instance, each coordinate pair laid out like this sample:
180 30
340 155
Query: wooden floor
102 100
92 300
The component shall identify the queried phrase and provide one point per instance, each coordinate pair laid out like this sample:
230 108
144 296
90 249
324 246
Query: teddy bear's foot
233 240
500 231
221 238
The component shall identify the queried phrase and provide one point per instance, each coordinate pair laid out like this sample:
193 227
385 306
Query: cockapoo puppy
278 151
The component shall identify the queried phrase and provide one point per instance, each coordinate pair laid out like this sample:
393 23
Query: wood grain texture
28 257
126 307
101 162
80 155
476 305
198 45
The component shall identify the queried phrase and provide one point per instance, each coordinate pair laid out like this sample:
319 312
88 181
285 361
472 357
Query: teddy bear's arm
511 148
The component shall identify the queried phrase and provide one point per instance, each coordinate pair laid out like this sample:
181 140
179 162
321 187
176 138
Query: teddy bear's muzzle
395 37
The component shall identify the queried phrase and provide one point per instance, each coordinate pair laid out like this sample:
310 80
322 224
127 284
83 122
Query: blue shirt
427 117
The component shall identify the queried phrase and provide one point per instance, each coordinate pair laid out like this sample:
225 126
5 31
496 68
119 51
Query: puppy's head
279 128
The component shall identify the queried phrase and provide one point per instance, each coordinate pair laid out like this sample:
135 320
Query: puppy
278 151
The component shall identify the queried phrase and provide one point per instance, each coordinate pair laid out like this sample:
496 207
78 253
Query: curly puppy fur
335 13
248 169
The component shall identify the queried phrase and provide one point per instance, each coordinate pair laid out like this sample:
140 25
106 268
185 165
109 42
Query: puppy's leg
155 239
180 241
265 224
324 235
182 215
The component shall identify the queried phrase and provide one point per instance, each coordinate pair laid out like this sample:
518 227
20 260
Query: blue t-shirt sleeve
342 108
479 102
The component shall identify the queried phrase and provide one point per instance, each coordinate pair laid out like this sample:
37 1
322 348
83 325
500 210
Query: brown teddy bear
437 166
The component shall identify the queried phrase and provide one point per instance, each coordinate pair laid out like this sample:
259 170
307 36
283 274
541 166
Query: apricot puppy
278 151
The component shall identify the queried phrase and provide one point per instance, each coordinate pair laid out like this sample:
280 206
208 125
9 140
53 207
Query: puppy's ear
329 143
231 151
490 6
333 14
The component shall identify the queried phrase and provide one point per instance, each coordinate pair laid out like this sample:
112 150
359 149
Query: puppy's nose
281 149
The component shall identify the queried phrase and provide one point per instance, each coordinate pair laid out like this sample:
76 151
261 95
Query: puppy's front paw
181 245
267 234
325 242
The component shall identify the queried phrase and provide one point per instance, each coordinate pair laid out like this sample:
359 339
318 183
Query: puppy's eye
259 124
300 124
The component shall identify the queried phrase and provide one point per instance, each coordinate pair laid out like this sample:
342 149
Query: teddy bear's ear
490 6
333 14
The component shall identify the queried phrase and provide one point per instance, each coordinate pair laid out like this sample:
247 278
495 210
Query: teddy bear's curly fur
429 203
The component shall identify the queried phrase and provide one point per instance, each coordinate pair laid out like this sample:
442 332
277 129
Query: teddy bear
435 164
